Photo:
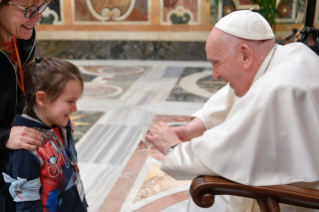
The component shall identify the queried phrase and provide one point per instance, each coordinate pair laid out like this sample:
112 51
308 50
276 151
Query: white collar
264 66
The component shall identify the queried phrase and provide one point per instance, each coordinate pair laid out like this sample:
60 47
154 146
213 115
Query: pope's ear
41 98
246 54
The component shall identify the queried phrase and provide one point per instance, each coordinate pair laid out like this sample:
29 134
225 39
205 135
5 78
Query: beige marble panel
97 35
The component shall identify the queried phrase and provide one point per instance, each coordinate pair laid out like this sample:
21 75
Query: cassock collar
263 68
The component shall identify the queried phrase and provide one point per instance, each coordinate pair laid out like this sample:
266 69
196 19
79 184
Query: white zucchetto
246 24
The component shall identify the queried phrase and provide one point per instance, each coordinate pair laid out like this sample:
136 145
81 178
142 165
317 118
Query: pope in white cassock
260 129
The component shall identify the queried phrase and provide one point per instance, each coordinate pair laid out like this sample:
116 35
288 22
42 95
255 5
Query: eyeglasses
30 11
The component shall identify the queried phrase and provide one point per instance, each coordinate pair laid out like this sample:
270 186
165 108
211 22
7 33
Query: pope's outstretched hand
162 137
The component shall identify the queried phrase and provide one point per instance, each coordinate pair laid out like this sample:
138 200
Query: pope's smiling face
226 61
14 23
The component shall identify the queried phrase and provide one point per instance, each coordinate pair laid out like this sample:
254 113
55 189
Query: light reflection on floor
121 100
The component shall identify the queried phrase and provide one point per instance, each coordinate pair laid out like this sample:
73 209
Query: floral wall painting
180 12
115 11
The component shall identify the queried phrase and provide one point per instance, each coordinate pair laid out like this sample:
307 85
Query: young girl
48 179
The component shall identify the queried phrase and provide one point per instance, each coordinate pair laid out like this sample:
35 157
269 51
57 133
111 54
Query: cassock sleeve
183 164
218 106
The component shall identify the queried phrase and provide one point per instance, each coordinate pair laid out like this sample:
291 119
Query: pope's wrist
170 149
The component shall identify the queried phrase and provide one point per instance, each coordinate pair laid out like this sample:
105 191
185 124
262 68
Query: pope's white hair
231 43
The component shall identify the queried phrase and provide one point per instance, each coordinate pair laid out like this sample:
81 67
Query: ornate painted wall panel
111 11
152 20
289 11
180 11
145 29
54 13
158 15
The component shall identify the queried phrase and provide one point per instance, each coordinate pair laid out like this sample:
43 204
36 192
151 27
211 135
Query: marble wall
144 29
123 50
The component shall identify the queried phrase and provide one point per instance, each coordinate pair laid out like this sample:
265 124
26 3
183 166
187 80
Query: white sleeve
216 109
182 163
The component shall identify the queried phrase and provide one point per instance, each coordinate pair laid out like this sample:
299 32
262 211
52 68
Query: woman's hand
24 138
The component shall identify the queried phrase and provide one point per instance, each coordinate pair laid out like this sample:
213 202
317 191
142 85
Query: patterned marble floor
121 100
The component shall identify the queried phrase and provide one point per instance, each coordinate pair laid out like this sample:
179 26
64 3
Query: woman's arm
4 136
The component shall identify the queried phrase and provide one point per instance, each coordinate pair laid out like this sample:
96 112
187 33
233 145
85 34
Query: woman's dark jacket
11 98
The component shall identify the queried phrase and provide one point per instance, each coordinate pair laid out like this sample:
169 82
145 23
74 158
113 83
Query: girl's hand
24 138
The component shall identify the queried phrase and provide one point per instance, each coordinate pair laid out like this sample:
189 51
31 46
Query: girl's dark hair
49 75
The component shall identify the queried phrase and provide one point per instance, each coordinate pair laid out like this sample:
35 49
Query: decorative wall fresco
111 11
53 14
215 13
289 11
187 12
180 11
145 29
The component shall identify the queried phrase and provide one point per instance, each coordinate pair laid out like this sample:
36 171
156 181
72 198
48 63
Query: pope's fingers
163 126
156 133
153 131
156 127
150 138
147 137
162 123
